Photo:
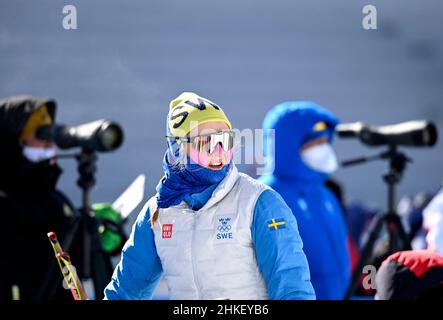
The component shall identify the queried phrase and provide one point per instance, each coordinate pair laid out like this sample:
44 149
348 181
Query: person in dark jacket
30 205
411 275
300 160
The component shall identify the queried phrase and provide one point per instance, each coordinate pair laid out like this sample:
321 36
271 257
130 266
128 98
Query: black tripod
94 262
398 238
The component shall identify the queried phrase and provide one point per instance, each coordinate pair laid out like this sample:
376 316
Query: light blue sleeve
279 249
140 269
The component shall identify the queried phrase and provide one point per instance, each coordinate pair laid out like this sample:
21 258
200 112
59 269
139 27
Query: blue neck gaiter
180 181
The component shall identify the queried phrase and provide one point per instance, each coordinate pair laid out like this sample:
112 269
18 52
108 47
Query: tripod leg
101 273
100 264
366 255
397 232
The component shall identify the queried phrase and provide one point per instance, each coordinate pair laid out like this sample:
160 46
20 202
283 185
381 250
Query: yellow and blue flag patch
277 224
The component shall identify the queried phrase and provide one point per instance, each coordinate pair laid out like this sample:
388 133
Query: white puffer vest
209 254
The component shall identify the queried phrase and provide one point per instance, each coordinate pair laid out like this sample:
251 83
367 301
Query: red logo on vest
167 230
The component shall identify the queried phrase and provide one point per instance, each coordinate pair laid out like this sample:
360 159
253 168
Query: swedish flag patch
276 224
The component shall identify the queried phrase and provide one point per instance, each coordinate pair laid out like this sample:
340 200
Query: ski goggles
208 142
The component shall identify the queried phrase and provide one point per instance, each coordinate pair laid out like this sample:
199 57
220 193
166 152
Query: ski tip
52 236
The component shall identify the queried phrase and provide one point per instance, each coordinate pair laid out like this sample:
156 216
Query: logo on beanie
320 126
201 105
189 110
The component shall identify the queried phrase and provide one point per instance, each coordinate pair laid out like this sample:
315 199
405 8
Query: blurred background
128 59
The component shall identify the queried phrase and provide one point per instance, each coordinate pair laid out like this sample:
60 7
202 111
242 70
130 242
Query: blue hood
292 121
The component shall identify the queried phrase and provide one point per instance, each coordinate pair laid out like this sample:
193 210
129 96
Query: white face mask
321 158
36 154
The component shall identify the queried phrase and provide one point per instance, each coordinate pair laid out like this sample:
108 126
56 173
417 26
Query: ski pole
66 267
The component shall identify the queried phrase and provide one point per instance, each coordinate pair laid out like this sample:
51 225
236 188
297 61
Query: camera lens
111 136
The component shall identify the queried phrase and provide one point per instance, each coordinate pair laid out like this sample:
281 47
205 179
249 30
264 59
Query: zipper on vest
194 273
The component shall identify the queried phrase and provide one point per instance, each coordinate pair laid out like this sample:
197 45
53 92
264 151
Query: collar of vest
219 193
223 188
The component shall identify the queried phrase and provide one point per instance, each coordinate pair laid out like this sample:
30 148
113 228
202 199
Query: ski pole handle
55 244
68 272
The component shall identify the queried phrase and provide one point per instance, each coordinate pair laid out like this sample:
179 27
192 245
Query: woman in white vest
433 223
212 232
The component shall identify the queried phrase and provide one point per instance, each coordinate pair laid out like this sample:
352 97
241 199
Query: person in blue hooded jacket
212 232
299 161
